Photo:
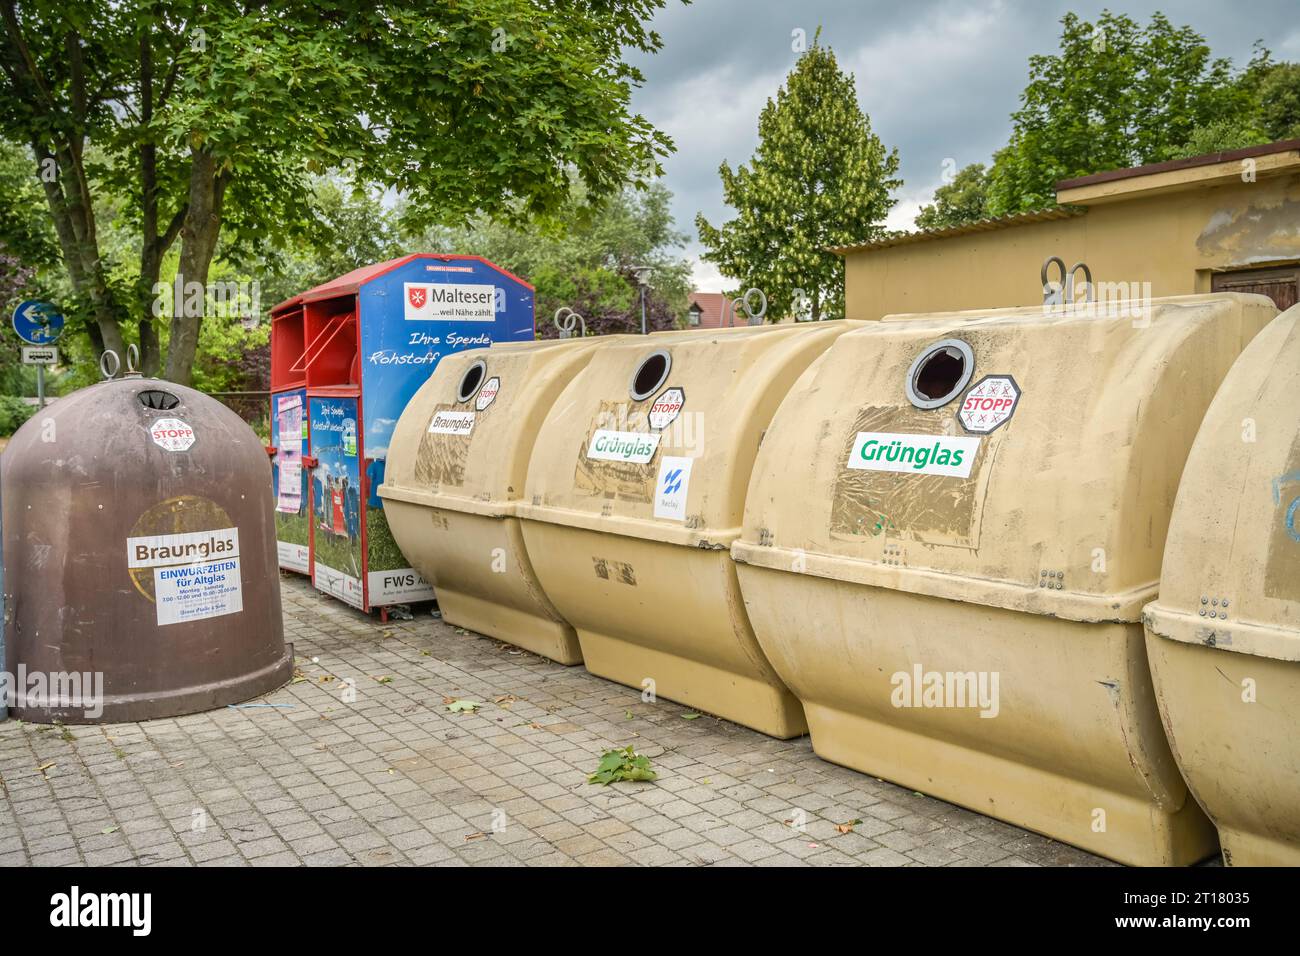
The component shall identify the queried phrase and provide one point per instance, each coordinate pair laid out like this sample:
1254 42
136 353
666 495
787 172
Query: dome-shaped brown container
140 569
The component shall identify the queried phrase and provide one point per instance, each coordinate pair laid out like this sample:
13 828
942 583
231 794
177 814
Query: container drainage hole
470 381
157 398
650 374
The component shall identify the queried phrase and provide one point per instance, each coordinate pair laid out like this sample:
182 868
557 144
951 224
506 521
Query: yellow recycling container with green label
1223 637
635 492
454 477
953 526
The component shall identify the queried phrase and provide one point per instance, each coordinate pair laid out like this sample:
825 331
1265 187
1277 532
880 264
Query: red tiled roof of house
713 308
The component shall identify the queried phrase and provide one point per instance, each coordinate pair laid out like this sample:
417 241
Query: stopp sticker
488 393
172 434
665 409
990 402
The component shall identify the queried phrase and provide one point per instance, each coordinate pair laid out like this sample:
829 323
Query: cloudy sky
938 78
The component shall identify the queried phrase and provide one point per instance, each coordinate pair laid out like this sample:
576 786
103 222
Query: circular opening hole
470 381
158 399
939 373
649 375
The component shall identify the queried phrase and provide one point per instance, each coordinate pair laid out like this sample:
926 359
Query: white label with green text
948 455
607 445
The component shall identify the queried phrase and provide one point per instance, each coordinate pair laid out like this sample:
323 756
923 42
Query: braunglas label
452 423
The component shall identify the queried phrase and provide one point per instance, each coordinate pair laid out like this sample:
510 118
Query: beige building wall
1173 232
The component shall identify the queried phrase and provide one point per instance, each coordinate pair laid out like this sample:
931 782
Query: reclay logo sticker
672 486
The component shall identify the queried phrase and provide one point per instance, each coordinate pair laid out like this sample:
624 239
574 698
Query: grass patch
338 553
292 528
385 555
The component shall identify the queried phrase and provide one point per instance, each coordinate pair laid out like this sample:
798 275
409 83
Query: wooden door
1280 285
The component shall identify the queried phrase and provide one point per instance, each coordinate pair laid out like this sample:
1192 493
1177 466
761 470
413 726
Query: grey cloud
938 79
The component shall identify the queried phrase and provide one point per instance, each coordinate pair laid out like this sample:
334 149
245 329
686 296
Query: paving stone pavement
394 778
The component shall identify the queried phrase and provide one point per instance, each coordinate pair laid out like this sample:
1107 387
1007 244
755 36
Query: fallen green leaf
622 765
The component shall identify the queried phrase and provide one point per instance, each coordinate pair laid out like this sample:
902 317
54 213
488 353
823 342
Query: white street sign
40 355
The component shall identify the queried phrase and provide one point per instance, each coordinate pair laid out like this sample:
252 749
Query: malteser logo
74 908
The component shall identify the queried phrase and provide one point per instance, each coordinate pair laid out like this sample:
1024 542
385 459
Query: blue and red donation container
346 357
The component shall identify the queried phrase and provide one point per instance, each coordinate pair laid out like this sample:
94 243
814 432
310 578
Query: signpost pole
39 325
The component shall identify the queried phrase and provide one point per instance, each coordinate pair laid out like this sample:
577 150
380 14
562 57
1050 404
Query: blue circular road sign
38 323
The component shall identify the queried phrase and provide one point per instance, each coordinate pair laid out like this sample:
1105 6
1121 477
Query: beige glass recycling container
1223 637
455 474
953 525
634 493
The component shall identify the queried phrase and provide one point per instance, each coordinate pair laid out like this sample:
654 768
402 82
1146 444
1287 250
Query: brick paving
391 777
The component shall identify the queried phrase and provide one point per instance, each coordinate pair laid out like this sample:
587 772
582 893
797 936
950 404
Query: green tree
1117 94
1219 136
965 199
349 227
209 117
1279 107
820 177
586 257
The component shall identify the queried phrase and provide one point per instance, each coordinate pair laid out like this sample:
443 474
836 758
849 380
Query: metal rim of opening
650 375
157 399
471 381
939 373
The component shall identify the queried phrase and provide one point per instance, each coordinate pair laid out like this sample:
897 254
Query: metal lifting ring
742 302
103 363
567 319
1062 292
1056 295
1087 282
132 362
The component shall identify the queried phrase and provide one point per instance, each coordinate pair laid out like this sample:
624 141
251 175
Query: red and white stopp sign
666 408
172 434
488 393
990 403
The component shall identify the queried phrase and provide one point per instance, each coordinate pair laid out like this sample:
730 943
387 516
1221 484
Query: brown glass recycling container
139 550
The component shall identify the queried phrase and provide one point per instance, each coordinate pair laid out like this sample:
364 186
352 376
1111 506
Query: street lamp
642 275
